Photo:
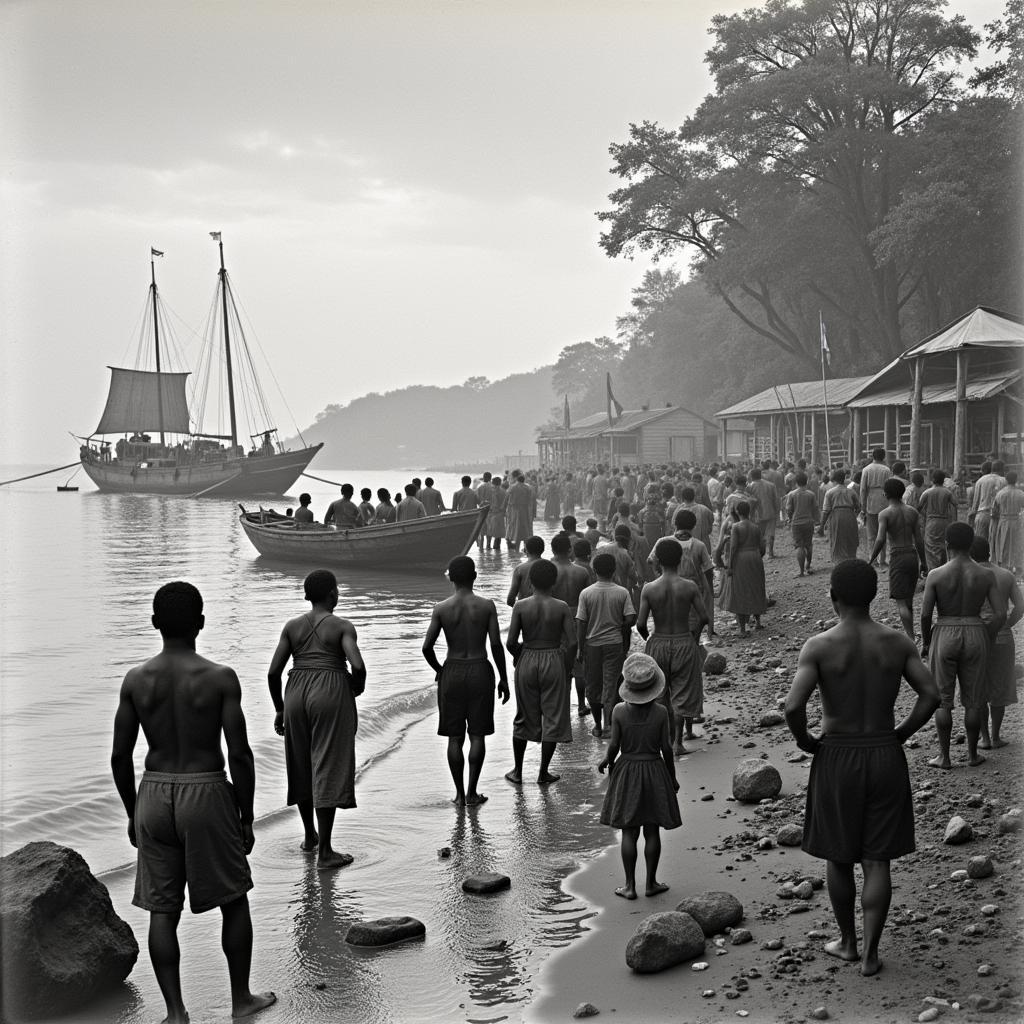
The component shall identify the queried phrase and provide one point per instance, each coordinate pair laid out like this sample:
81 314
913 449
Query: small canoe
428 543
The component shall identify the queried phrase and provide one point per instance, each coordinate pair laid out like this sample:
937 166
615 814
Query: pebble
980 867
701 965
708 993
985 970
586 1010
708 796
974 800
932 1013
819 1013
742 1013
1010 821
772 944
739 936
959 876
804 891
444 852
765 844
973 929
957 831
990 909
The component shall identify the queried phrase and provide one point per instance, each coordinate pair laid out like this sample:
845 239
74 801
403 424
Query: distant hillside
424 426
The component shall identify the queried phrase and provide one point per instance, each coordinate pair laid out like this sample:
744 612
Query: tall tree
580 373
777 182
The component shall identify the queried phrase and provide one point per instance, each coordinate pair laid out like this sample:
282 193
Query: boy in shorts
189 823
465 682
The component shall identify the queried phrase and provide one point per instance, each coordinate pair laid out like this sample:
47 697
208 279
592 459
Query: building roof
981 328
978 388
803 396
631 419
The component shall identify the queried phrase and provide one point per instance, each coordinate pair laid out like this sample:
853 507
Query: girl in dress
642 786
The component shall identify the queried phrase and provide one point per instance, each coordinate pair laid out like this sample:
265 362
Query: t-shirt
872 478
801 507
410 508
603 607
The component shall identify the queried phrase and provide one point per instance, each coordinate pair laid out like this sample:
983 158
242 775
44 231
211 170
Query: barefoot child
642 788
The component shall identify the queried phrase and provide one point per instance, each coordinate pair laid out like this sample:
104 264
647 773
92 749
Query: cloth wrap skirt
542 697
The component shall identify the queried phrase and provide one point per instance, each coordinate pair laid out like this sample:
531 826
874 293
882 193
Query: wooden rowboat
428 543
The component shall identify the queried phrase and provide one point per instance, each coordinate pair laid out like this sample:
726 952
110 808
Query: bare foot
654 888
975 761
940 762
514 777
328 862
997 743
627 892
606 734
546 778
309 844
689 735
252 1003
596 731
679 750
870 965
475 799
837 948
584 711
985 744
183 1019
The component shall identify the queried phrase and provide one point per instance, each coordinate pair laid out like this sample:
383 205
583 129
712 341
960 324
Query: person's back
960 588
410 507
431 499
670 598
304 514
543 620
464 619
465 499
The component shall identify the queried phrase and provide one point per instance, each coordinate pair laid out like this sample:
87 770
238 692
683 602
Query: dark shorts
1002 677
959 654
465 698
188 830
803 535
859 805
904 570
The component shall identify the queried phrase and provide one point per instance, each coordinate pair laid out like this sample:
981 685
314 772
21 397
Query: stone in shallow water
384 931
487 882
63 944
664 940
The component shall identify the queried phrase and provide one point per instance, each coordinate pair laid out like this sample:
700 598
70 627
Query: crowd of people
661 548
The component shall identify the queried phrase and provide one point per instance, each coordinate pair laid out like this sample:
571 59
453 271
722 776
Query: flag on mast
612 401
566 423
826 352
215 235
155 252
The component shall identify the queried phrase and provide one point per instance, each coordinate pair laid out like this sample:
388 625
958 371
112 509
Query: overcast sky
406 190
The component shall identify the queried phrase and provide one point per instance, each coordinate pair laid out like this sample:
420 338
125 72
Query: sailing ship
184 460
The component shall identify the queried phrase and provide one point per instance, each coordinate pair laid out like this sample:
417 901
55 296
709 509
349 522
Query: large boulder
713 911
63 945
664 940
384 931
754 779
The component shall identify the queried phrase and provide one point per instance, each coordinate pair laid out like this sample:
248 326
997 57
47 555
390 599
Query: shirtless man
900 525
857 666
673 644
343 513
572 580
465 683
520 587
959 589
1002 681
188 823
304 514
542 686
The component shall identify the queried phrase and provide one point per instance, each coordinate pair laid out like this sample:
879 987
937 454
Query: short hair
383 494
959 536
410 490
462 569
347 490
623 508
801 479
604 564
622 530
998 466
560 544
1011 477
466 481
178 609
366 494
878 454
687 494
592 523
980 550
429 481
543 574
581 548
838 476
755 474
669 552
487 476
742 508
894 487
569 524
741 480
534 545
318 584
899 468
854 583
304 498
917 478
986 468
685 519
938 477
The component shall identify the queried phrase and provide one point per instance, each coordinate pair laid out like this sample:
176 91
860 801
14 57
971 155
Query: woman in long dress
839 514
743 587
552 500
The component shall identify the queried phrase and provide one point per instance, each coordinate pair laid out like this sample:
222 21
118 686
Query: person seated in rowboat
304 514
366 509
343 512
385 511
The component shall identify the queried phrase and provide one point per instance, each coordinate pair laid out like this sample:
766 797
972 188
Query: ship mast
156 341
215 235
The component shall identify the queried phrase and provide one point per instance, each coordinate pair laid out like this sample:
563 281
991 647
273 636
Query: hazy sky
406 190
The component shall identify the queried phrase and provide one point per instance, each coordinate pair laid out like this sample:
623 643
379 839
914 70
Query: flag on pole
215 235
155 252
826 352
612 401
566 423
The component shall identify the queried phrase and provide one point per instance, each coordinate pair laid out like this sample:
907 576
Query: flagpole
824 389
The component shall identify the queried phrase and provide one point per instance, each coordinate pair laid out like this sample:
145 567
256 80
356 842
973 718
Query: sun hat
642 680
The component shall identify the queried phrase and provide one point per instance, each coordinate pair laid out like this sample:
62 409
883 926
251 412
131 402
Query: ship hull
227 478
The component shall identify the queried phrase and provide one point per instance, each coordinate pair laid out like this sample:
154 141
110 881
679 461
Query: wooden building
636 437
948 401
787 421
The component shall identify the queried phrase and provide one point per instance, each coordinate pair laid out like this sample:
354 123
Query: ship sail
142 400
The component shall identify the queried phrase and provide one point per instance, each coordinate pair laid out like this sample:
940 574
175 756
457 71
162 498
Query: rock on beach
957 831
790 835
63 944
754 779
664 940
713 911
487 882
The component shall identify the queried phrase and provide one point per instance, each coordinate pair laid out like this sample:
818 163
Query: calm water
79 573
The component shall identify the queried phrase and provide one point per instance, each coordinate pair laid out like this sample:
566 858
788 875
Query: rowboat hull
428 543
227 478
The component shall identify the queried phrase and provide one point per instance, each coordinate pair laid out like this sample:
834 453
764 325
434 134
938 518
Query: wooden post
888 440
896 431
915 413
1000 426
857 443
814 437
850 444
960 418
725 437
